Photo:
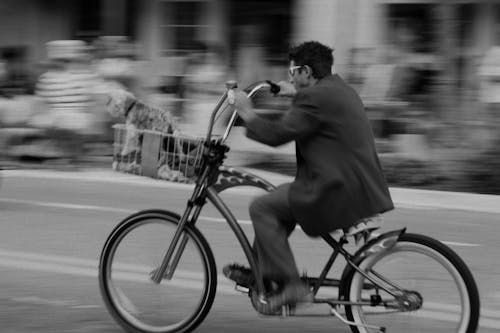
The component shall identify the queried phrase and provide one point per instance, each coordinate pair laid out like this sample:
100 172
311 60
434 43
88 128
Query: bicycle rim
131 256
450 302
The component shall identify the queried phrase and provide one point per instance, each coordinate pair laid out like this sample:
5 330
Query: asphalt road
52 231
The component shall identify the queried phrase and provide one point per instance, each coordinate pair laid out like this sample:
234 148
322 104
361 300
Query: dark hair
315 55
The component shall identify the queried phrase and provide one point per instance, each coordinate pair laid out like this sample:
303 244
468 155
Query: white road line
114 178
106 209
414 206
461 244
48 267
48 258
44 301
417 199
223 220
8 255
90 306
98 176
224 286
130 211
66 205
53 302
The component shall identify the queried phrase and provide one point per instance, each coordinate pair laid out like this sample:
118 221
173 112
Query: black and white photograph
281 166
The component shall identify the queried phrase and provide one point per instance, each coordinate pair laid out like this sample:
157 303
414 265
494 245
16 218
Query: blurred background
428 72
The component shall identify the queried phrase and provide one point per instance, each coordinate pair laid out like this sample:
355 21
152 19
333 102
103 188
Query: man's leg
273 223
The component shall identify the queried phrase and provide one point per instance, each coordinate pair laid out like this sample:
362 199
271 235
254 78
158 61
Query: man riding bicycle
339 180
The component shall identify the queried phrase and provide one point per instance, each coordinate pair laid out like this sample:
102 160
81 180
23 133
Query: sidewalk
402 197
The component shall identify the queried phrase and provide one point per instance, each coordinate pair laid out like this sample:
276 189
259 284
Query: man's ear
308 70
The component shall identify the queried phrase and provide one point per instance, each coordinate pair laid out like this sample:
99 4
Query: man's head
309 62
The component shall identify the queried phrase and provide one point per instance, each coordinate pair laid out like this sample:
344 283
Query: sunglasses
292 69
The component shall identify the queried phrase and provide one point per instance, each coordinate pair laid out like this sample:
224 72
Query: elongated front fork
171 268
168 264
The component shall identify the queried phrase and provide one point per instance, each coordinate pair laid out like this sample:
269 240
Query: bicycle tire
117 304
448 259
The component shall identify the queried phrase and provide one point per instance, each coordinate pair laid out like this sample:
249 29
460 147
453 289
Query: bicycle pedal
241 289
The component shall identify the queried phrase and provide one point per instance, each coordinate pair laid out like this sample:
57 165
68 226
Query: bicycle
383 285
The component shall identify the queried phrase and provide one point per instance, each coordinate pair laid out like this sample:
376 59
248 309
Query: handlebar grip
231 84
275 89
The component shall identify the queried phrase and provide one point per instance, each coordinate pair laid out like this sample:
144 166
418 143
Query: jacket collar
328 78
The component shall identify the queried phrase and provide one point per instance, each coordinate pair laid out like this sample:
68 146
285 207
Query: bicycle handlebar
228 96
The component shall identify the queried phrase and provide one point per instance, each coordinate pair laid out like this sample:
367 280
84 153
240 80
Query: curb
402 197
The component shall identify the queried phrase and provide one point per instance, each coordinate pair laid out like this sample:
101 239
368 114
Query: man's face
299 76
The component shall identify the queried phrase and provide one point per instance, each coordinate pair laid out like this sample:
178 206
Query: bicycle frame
216 178
213 159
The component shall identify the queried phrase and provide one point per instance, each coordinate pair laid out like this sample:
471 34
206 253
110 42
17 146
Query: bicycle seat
366 225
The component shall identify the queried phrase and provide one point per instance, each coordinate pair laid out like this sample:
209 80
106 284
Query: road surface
52 230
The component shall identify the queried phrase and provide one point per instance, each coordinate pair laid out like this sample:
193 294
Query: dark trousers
273 223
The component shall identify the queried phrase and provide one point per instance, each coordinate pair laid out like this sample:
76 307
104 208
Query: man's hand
243 106
286 89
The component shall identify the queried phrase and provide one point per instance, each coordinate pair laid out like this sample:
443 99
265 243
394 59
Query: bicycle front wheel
131 255
428 289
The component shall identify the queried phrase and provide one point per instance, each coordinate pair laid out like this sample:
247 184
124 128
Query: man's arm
300 121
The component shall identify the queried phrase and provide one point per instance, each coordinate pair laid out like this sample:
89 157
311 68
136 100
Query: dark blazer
339 179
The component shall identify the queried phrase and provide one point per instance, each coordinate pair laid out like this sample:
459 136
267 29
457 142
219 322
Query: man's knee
258 207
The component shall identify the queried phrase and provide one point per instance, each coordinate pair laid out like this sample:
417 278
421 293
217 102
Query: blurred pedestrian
116 61
17 80
339 180
204 84
66 88
489 72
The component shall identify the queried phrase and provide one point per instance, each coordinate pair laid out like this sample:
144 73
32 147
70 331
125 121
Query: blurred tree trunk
447 50
113 17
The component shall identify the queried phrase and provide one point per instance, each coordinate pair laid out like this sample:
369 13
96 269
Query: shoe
291 294
240 274
262 308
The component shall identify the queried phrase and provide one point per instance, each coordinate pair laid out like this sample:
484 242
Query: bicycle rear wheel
441 293
132 253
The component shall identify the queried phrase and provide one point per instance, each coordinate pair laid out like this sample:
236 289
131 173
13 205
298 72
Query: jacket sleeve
300 121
